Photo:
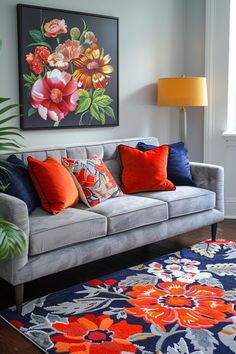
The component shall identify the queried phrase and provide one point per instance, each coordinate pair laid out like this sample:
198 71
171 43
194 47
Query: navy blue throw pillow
178 168
20 184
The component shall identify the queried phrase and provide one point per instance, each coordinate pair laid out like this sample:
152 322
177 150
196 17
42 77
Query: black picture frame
68 68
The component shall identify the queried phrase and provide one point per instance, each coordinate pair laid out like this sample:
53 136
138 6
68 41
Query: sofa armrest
210 177
15 211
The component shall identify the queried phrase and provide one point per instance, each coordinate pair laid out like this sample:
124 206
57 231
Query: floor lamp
182 92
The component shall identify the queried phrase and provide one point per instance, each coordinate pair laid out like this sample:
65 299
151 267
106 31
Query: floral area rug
181 303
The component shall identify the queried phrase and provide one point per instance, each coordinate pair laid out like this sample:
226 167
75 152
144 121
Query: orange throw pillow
144 171
53 183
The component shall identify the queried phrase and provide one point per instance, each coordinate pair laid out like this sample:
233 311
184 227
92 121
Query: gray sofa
80 235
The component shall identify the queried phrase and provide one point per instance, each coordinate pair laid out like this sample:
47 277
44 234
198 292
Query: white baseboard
230 209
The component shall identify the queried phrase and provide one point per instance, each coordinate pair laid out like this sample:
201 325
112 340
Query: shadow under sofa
80 235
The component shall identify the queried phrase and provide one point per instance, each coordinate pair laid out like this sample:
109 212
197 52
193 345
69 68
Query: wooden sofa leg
213 231
19 296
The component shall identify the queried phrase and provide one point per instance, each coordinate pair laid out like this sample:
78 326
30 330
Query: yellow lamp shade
182 91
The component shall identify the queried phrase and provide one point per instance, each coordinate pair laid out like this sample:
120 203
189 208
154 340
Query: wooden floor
12 342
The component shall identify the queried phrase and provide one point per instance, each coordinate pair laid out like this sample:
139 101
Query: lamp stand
183 118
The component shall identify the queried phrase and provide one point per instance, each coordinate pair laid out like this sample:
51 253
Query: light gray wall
152 45
195 66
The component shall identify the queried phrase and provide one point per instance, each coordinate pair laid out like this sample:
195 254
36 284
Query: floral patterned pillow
95 181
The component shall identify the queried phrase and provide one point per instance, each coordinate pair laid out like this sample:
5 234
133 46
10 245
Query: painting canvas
68 68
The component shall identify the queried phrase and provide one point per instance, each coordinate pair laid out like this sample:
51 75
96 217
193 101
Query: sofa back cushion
105 150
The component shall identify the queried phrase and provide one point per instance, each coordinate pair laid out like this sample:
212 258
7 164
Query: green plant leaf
2 121
94 111
2 99
11 140
36 35
8 144
31 111
10 133
8 127
109 111
40 43
56 124
103 101
98 92
12 240
83 105
7 108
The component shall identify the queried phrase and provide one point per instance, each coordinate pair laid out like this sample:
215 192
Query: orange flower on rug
94 335
192 306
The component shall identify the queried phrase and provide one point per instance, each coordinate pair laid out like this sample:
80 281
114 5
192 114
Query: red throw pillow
53 183
144 171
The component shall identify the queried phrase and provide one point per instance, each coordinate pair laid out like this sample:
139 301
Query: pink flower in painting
55 96
64 54
90 37
54 28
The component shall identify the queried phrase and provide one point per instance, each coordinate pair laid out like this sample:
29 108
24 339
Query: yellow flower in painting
93 68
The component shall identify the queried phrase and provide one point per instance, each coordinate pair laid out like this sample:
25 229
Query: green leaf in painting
83 94
36 35
109 111
31 111
42 27
84 24
28 85
94 111
98 92
102 118
83 104
103 101
29 78
40 43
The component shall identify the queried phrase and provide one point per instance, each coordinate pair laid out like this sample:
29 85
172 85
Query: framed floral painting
68 67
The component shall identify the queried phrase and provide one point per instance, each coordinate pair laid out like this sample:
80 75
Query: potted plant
12 238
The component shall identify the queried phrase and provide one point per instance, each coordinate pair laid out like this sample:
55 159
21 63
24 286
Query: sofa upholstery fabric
184 200
130 212
69 227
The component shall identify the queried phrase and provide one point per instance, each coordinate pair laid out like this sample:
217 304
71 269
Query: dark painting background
106 31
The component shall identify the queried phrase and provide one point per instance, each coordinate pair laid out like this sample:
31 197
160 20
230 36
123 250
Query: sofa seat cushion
70 226
129 212
184 200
